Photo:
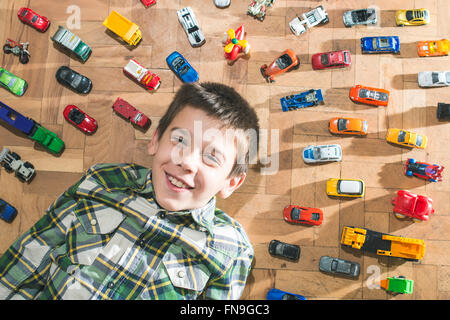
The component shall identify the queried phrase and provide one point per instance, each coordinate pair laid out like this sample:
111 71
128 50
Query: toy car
412 205
190 25
383 244
24 171
415 17
124 28
433 78
388 44
433 48
73 80
12 82
72 42
353 188
18 49
277 294
258 8
322 153
333 59
359 16
7 211
148 3
235 43
15 119
423 170
443 111
348 126
47 139
222 3
339 266
28 16
78 118
303 215
142 75
397 285
309 19
406 138
302 100
181 67
285 62
130 113
285 250
368 95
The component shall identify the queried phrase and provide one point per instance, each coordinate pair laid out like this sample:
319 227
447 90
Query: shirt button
181 274
142 243
162 215
111 285
93 222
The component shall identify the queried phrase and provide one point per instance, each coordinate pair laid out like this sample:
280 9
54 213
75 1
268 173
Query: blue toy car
277 294
302 100
181 67
15 119
7 211
388 44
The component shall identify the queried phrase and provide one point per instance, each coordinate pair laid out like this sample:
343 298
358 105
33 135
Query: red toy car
148 3
412 205
333 59
303 215
423 170
369 95
129 112
28 16
285 62
77 117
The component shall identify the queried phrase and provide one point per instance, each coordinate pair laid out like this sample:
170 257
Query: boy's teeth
177 183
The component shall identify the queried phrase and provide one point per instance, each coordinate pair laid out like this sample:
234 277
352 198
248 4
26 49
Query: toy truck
397 285
383 244
130 113
11 162
309 19
31 129
72 42
142 75
123 27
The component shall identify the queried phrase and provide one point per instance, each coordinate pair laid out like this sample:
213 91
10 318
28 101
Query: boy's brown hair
221 102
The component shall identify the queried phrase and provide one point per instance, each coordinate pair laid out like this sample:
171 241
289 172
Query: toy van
72 42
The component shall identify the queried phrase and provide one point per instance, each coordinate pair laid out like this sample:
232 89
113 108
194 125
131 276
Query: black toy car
339 266
443 111
285 250
73 80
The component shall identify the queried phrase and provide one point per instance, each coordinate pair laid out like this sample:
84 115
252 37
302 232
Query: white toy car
322 153
308 20
258 8
433 78
11 162
222 3
360 16
190 25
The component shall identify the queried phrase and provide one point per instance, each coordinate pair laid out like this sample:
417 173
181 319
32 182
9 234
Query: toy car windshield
324 59
401 136
409 15
361 15
315 216
35 17
295 214
177 63
11 82
342 124
284 61
419 140
435 77
76 116
349 187
76 80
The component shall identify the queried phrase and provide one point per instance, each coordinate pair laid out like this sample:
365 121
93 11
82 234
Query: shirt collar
202 216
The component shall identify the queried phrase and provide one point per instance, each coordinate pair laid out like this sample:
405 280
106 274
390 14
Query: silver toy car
339 266
360 16
322 153
222 3
433 78
190 25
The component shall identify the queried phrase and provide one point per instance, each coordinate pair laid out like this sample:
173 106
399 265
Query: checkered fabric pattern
106 238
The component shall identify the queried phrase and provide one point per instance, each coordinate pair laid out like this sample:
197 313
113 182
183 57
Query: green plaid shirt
106 238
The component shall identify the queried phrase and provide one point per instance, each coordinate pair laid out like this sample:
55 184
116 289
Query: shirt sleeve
231 284
25 266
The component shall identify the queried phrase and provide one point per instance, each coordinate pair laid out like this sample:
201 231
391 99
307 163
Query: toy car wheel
24 58
411 160
409 173
7 167
15 156
399 215
297 66
28 165
433 180
7 49
417 220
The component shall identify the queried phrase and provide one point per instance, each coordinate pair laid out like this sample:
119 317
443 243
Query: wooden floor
259 203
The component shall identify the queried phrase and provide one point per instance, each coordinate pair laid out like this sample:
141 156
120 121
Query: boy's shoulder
117 175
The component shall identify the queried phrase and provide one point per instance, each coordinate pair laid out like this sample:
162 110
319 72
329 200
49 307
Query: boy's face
192 161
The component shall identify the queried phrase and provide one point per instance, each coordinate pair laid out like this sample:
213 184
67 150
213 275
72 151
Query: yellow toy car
353 188
415 17
433 48
406 138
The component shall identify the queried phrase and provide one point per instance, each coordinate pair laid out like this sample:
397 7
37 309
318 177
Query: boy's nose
189 161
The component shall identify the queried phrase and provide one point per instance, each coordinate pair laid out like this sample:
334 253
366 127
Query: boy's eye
179 139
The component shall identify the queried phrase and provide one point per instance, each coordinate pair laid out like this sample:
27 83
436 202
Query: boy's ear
231 185
153 144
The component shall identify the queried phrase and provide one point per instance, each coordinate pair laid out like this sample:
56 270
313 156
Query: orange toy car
368 95
348 126
285 62
433 48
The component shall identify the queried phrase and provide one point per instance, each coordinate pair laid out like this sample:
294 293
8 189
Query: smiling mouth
177 183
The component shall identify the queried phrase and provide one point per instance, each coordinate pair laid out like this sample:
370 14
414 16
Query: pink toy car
412 205
333 59
129 112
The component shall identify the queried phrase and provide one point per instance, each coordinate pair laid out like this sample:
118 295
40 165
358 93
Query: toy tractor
17 49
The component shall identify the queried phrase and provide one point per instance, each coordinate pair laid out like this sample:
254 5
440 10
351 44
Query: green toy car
397 284
12 82
47 139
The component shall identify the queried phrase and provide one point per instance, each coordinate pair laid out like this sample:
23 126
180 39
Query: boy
126 232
